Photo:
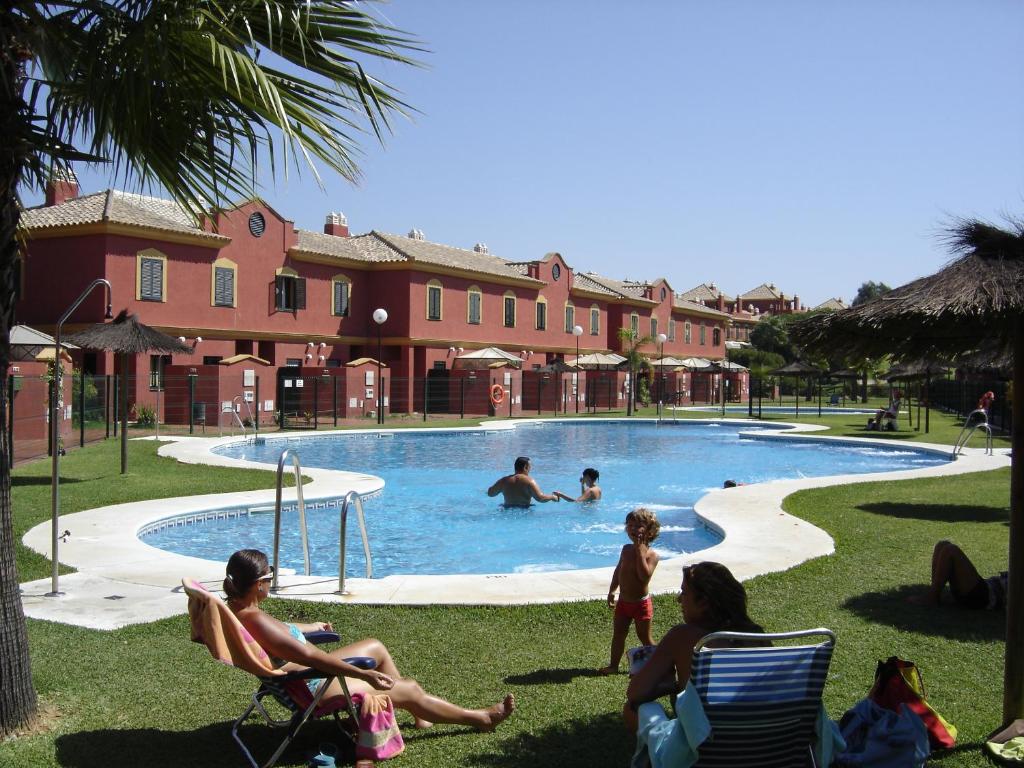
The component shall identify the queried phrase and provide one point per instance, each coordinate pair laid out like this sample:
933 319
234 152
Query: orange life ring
497 394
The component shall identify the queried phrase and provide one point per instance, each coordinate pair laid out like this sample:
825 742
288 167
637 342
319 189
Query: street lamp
577 331
380 316
662 338
55 431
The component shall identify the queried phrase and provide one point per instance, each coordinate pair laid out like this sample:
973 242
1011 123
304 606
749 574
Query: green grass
146 695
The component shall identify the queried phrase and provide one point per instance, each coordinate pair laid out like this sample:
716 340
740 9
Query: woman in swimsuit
248 584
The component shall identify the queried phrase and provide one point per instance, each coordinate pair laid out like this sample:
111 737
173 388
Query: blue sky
812 144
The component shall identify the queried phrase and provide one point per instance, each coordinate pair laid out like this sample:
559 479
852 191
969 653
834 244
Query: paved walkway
120 580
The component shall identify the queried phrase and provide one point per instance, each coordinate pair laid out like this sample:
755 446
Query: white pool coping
120 580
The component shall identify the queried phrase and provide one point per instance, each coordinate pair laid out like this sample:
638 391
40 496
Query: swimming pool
434 516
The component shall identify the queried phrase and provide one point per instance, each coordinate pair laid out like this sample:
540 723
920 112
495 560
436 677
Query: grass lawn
146 695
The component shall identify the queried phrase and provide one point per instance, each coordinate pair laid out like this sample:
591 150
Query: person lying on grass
712 600
951 566
248 584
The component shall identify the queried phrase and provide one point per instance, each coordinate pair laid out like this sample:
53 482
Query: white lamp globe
662 338
380 316
577 330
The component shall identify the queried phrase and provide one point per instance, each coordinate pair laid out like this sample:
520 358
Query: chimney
62 186
481 248
416 234
336 224
796 303
721 302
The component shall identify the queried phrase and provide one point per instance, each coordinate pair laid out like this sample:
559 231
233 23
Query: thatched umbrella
127 336
973 307
799 370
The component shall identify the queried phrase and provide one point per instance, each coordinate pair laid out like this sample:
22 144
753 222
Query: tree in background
631 343
188 95
771 334
868 291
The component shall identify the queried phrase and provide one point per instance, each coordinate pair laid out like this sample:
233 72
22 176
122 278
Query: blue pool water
434 516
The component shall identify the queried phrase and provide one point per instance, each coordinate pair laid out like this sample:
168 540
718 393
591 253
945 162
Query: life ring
497 394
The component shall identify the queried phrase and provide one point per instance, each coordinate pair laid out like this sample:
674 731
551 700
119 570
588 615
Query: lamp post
662 338
55 432
380 316
577 331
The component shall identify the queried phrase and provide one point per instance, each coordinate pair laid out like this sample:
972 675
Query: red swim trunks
638 610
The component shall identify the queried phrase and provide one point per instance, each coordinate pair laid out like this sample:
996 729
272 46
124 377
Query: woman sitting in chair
248 584
712 600
887 414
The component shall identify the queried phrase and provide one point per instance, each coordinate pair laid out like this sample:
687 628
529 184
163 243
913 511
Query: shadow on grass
570 744
953 752
546 676
23 480
945 620
940 513
211 745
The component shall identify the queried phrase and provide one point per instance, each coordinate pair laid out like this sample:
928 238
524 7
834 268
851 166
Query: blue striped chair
762 702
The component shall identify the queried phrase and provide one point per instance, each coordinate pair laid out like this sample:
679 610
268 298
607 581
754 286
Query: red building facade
249 283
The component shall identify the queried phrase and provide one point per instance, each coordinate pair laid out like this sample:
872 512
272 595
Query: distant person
731 484
986 401
951 566
519 488
891 413
632 578
589 489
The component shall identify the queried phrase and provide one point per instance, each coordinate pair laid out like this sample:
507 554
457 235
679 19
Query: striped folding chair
216 627
762 702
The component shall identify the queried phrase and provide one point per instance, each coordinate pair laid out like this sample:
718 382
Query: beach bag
379 737
877 737
899 682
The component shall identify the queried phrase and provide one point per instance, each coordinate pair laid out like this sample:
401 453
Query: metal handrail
285 454
350 496
235 413
969 429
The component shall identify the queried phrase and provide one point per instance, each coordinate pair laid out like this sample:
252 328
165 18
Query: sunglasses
268 576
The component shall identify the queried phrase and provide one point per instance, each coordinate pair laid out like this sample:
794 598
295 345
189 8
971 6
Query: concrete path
120 580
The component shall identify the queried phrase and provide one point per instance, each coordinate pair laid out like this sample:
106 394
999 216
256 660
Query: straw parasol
971 308
482 358
127 336
799 370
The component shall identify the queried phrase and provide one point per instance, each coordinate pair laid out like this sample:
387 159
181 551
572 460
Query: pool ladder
351 499
969 429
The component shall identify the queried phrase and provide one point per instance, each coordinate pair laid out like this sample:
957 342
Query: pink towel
379 737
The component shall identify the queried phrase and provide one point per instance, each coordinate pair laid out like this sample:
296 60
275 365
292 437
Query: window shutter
279 292
151 280
341 298
300 292
224 287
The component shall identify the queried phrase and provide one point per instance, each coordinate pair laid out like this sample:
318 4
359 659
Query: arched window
716 336
541 322
595 320
634 325
654 328
341 296
222 283
434 300
687 332
570 316
509 306
150 275
671 329
474 305
289 290
703 333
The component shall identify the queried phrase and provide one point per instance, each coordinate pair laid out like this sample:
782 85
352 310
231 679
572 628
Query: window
341 296
634 325
654 328
222 290
434 300
510 310
595 321
289 291
211 359
157 364
556 271
151 276
703 334
687 332
542 315
671 329
570 316
293 362
475 300
716 336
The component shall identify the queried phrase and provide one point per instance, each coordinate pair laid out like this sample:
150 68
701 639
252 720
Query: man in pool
519 488
589 489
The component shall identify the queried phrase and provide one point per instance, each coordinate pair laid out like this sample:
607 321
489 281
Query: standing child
632 576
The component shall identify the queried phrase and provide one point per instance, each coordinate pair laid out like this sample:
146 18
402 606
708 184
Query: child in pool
631 578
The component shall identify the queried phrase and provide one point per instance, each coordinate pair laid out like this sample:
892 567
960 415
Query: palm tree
173 93
631 343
